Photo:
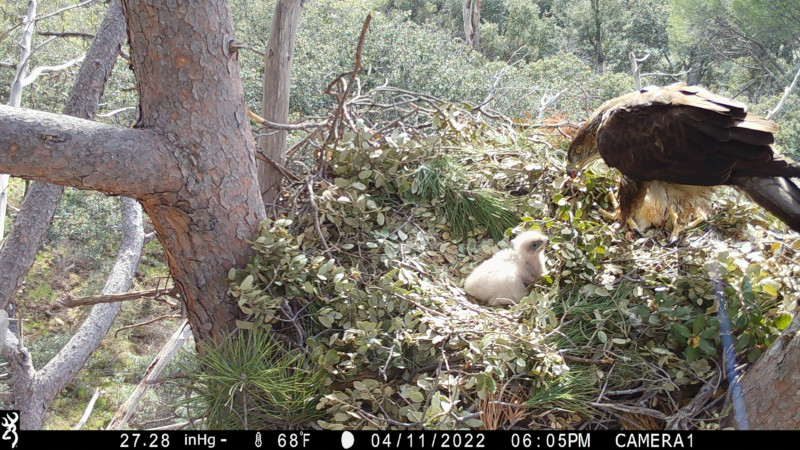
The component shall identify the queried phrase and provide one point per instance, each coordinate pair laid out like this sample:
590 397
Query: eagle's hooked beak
571 170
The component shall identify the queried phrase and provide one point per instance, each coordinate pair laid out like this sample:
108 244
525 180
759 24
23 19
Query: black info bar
358 440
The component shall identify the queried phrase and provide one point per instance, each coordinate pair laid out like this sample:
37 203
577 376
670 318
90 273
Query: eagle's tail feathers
778 195
751 136
757 123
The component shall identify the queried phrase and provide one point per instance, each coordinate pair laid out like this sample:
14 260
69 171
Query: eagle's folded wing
687 135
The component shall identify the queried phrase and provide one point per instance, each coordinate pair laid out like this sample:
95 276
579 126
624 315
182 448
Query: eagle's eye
578 151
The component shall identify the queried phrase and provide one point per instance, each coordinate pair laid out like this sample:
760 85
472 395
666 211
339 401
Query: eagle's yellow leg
608 215
676 227
695 222
615 217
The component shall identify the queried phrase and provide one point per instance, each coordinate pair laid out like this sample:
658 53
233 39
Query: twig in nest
680 420
588 361
357 68
631 409
278 166
283 126
315 215
287 309
540 141
417 304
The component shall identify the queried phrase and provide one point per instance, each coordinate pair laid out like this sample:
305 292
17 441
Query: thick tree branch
84 154
34 390
19 250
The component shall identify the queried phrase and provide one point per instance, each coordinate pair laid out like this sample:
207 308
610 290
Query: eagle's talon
608 215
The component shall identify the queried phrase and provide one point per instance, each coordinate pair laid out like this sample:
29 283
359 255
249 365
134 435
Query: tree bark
598 38
471 11
190 160
771 385
19 250
190 93
275 105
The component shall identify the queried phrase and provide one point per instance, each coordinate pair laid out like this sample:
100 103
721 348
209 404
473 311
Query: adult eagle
684 140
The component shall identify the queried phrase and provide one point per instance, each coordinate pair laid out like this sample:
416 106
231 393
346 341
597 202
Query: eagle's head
583 148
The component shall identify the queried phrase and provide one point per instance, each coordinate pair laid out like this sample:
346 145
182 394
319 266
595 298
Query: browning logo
9 421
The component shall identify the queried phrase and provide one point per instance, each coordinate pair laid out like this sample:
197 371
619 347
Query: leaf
681 330
332 357
769 289
698 324
782 321
473 423
247 284
416 396
707 347
753 355
601 292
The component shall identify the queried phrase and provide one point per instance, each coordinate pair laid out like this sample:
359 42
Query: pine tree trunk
190 160
190 93
771 385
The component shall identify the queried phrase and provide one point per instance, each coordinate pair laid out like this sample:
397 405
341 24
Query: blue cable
728 355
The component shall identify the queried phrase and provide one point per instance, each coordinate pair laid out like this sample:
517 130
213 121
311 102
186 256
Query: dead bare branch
66 34
88 411
786 93
156 294
67 8
146 322
283 126
159 363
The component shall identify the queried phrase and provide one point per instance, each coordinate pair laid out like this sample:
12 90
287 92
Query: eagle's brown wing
687 135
